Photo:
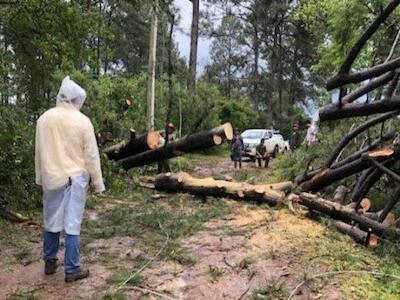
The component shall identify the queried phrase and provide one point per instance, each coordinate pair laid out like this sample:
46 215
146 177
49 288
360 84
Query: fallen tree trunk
137 143
357 234
335 112
356 155
189 143
327 176
342 213
183 182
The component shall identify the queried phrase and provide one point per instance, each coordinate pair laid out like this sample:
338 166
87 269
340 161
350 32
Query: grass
272 290
214 273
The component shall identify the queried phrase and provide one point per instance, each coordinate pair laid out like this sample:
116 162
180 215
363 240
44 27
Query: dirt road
249 252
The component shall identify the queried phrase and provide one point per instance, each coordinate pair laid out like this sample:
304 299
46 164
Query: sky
182 36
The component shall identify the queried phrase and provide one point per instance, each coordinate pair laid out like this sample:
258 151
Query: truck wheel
276 151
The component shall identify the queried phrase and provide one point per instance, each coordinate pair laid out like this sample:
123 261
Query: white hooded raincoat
66 158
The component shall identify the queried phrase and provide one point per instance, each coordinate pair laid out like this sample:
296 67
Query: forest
320 222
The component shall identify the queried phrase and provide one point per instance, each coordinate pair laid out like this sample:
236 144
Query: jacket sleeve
92 159
38 179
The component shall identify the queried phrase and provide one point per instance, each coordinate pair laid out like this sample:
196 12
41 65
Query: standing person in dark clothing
170 137
237 148
261 154
295 137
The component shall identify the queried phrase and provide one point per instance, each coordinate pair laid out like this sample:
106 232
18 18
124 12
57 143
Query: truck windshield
253 134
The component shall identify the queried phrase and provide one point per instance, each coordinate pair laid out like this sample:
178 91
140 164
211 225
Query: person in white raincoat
66 160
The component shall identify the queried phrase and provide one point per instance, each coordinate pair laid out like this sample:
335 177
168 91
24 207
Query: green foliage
17 174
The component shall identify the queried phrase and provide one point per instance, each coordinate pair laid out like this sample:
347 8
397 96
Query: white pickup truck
273 141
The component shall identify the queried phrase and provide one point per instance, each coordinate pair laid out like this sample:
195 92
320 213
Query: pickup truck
273 141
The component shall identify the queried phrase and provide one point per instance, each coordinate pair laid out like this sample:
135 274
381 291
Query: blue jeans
51 245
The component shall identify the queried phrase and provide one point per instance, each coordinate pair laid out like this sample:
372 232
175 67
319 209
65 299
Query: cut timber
328 176
189 143
183 182
136 144
342 213
357 234
356 155
384 152
388 220
364 206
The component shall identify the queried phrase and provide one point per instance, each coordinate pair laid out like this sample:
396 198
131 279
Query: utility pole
152 67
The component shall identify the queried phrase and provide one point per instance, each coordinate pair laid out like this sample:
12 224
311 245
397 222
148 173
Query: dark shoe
81 274
50 267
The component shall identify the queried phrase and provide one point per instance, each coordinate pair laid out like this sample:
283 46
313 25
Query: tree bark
151 73
194 37
356 234
183 182
356 155
136 144
341 213
189 143
327 176
334 112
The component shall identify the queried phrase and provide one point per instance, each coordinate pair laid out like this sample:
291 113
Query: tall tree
194 37
152 67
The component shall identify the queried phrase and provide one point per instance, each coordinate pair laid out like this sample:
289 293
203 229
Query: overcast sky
182 36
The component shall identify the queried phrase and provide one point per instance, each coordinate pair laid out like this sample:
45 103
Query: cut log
184 183
136 144
189 143
335 112
357 234
363 207
389 205
327 176
356 155
388 220
342 213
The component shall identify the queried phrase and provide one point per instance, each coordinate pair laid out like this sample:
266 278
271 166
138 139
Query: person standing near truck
261 154
237 148
295 137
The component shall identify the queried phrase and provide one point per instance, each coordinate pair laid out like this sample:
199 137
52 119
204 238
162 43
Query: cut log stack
137 143
187 144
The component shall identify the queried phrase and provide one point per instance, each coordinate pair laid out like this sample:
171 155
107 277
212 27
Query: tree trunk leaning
189 143
137 143
184 183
